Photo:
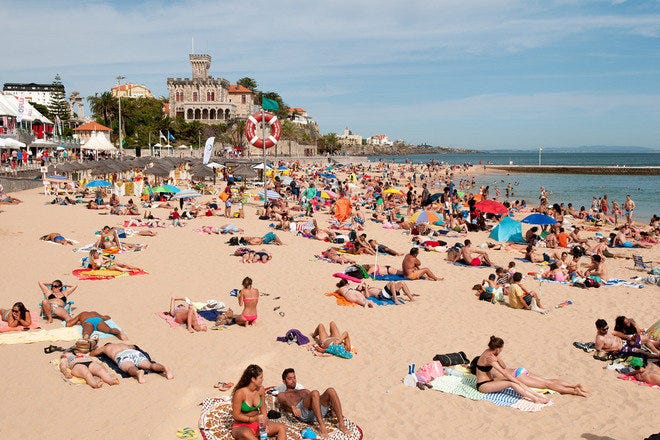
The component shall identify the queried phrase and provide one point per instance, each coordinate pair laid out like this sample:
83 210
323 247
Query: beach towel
36 324
216 419
50 335
465 385
391 277
340 299
381 302
654 330
170 319
617 282
104 274
294 335
86 248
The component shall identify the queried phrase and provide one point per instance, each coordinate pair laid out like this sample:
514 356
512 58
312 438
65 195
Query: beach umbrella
539 219
435 197
426 216
396 191
326 194
100 183
214 165
282 168
327 175
271 194
166 189
186 193
491 207
261 166
286 180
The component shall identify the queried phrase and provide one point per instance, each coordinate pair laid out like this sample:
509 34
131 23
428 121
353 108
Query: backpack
451 359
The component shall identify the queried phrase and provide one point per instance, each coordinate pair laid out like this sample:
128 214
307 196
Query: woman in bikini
376 269
98 261
55 299
391 290
323 339
489 363
17 316
248 298
186 314
76 362
352 295
248 404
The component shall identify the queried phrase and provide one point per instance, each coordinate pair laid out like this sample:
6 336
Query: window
243 99
195 96
212 96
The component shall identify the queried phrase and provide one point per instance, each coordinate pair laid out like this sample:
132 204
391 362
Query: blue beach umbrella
327 175
100 183
186 193
539 219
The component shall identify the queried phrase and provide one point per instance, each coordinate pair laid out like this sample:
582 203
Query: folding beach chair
640 264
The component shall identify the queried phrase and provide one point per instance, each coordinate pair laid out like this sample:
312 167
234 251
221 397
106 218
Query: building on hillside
299 115
37 93
85 131
130 91
348 139
206 99
380 139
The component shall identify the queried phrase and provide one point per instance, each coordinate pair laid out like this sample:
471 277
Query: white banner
21 109
208 150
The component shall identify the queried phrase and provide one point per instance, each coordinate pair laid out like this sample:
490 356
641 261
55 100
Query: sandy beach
447 317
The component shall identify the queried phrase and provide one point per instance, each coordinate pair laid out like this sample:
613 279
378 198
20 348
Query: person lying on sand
645 372
382 248
269 238
493 376
131 360
185 314
94 321
323 340
377 269
17 316
310 406
256 256
391 290
9 200
76 362
351 294
56 237
334 256
98 261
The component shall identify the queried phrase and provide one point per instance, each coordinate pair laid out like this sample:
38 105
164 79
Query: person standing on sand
628 208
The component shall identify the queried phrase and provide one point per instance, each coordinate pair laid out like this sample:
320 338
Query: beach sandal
52 348
582 346
282 314
223 386
277 297
276 308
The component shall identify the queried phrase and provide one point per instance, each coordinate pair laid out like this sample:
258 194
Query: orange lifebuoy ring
253 123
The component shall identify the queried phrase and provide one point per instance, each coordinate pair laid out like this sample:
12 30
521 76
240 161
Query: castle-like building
206 99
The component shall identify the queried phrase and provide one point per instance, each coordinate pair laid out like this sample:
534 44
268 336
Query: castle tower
200 63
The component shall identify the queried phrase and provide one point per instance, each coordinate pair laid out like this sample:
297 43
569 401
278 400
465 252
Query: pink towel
169 319
634 379
36 323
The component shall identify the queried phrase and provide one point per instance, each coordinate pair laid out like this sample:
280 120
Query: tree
58 105
41 109
248 83
329 143
104 107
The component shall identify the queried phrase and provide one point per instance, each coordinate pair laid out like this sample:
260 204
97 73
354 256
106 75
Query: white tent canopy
9 105
98 142
11 143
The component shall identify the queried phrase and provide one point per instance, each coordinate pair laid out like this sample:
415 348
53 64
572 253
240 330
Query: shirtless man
481 259
412 270
606 342
94 321
131 360
310 406
628 208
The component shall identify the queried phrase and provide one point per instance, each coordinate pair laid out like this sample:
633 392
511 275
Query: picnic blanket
464 384
215 422
104 274
55 334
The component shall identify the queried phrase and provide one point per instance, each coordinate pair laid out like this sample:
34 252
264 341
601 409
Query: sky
475 74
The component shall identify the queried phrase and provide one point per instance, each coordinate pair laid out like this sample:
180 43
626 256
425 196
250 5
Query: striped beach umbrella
426 216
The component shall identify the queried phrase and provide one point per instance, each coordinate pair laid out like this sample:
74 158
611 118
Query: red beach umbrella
491 207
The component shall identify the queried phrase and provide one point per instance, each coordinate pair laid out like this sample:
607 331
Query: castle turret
200 63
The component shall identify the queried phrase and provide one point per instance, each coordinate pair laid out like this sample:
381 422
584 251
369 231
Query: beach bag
430 371
355 272
411 379
451 359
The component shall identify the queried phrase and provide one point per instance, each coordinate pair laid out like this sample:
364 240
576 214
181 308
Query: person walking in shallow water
628 208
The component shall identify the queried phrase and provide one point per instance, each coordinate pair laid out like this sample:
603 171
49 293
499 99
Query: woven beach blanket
216 421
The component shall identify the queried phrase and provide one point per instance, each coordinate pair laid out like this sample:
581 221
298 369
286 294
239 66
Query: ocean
574 188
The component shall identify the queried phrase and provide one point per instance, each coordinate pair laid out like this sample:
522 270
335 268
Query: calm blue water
574 188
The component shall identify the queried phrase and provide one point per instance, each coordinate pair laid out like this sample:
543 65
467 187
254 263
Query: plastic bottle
263 434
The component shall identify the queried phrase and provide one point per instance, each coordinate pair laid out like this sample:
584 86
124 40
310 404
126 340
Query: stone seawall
21 182
555 169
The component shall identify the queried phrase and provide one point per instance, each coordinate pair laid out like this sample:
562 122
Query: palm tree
104 107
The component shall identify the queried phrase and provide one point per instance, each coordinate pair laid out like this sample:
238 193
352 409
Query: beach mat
49 335
638 382
36 324
391 277
103 274
340 299
381 302
216 419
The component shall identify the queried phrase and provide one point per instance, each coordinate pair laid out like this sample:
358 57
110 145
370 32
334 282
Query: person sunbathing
333 255
392 290
93 205
55 299
93 321
131 360
98 261
373 244
493 376
76 362
56 237
185 314
645 372
410 266
248 298
377 269
9 200
269 238
352 295
256 257
324 340
525 377
17 316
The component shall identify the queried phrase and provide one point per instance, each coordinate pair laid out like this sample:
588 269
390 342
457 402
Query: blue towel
339 350
209 315
390 278
381 302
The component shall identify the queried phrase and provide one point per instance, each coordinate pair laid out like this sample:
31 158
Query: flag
208 149
169 136
269 104
162 136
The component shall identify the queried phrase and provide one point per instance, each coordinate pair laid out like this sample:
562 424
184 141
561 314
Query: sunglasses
55 286
15 310
604 329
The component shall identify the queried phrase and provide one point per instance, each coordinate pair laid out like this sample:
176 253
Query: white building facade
37 93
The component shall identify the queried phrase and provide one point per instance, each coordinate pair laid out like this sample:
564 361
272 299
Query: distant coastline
605 170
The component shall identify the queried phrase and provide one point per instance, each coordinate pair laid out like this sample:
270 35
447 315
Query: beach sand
38 403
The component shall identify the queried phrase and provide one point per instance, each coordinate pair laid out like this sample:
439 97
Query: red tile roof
296 109
92 126
239 89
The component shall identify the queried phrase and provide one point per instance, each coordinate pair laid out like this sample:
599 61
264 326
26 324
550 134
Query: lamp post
540 150
121 146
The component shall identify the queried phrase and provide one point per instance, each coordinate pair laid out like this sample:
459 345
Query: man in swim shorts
606 342
412 270
310 406
131 360
473 257
94 321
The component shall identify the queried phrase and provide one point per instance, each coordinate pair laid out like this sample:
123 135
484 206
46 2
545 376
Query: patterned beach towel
104 274
216 421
